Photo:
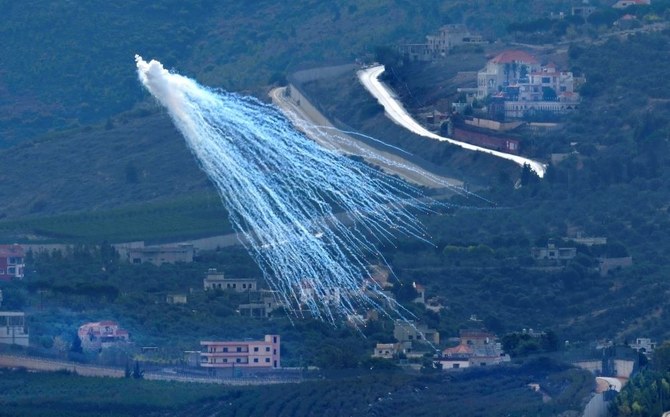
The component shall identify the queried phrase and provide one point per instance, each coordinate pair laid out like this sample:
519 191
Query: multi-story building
440 44
101 335
11 262
215 280
263 354
523 86
643 345
13 329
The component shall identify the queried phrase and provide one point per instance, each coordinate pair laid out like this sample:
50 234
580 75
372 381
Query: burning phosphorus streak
282 191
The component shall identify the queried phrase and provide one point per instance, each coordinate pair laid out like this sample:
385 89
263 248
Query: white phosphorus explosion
282 191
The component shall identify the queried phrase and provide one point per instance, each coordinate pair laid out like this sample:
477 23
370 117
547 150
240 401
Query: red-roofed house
11 262
476 348
102 334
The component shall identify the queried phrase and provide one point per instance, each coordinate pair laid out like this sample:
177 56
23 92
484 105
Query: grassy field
180 218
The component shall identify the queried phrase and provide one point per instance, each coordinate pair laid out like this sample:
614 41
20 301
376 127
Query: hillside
70 64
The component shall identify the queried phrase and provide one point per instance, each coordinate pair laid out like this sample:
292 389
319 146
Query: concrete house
215 280
13 330
12 262
102 335
263 354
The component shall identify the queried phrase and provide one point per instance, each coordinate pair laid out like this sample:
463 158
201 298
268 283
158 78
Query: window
274 339
239 349
255 348
238 360
274 351
546 80
244 286
11 270
255 360
267 360
225 360
267 348
225 349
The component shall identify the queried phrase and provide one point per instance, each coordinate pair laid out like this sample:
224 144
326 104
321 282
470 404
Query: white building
13 330
643 345
215 280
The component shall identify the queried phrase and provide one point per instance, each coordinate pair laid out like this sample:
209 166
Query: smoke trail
282 192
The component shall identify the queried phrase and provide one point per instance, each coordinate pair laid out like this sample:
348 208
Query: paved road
369 77
317 127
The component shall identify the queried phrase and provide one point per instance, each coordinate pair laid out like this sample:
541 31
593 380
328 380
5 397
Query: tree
661 358
137 372
76 345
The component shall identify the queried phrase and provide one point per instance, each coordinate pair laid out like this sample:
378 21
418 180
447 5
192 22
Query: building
420 292
101 335
137 253
388 350
264 354
440 44
215 280
476 348
622 4
524 87
176 299
12 258
643 345
407 331
13 330
552 253
583 11
263 305
605 265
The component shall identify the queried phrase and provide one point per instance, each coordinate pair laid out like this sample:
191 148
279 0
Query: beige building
407 331
440 44
242 354
388 350
553 253
176 299
138 253
215 280
262 305
13 330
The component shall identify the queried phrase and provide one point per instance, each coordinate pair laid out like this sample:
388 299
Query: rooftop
514 56
11 250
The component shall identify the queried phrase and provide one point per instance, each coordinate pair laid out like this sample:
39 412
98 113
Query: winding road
369 77
316 126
